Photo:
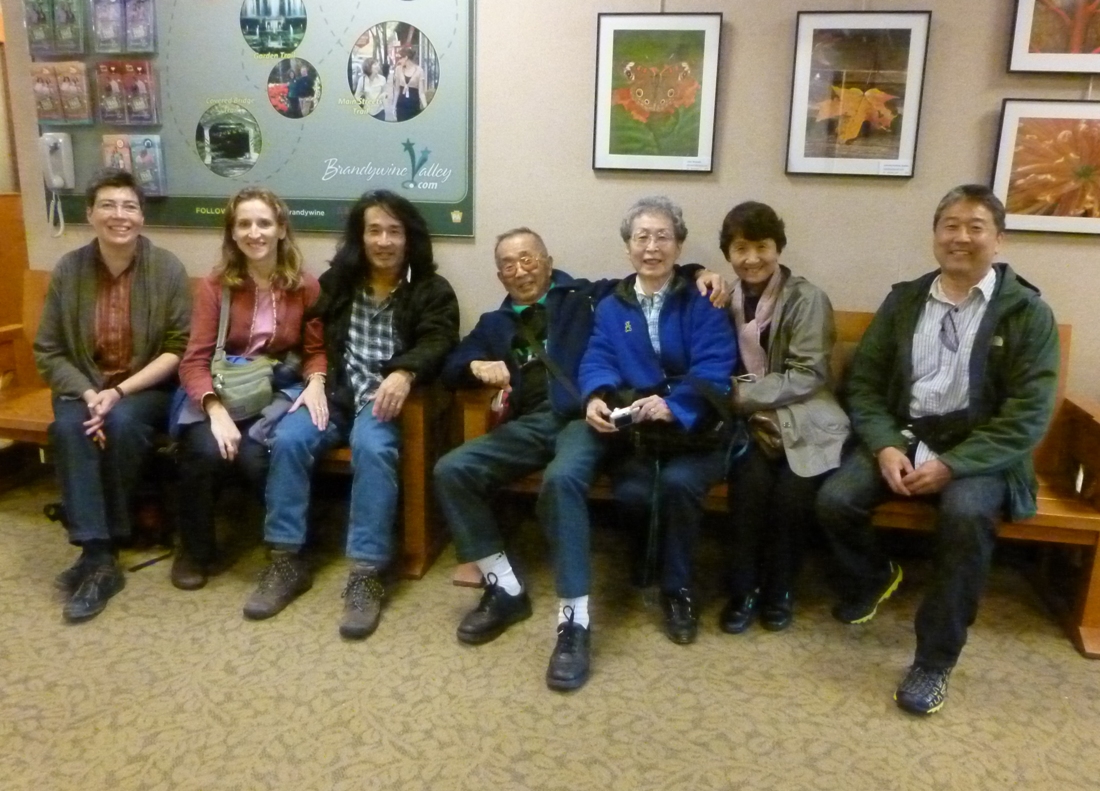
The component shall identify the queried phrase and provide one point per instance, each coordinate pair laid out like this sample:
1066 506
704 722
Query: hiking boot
102 581
863 607
923 690
569 663
286 578
496 611
362 602
681 616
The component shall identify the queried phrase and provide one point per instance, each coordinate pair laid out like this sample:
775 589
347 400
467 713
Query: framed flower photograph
1056 35
1048 165
856 92
656 83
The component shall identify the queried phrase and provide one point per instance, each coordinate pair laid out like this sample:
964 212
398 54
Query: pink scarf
753 355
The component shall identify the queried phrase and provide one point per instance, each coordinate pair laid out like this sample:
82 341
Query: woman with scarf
785 334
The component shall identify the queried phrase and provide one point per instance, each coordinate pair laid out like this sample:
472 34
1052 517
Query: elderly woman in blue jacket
658 338
785 334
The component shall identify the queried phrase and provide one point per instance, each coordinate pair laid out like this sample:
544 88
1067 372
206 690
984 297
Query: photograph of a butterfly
655 90
856 92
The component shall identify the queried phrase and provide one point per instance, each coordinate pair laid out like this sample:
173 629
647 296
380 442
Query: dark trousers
771 509
682 482
966 521
202 471
97 485
466 478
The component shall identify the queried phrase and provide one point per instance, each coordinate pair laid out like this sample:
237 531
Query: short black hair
754 222
351 255
112 177
974 193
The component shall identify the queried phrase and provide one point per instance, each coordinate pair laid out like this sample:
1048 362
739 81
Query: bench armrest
1083 443
475 411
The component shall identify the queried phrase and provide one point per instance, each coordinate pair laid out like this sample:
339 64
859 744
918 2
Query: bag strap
223 322
714 398
555 370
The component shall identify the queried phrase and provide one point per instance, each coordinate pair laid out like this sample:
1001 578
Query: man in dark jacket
530 348
390 320
950 390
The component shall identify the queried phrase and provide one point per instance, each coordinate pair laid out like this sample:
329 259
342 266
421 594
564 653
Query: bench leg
1085 628
421 536
467 575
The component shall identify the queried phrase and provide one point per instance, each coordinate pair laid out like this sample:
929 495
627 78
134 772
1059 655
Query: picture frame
1047 172
856 92
656 89
1052 36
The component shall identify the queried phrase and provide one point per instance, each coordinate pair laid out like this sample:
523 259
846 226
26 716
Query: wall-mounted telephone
55 152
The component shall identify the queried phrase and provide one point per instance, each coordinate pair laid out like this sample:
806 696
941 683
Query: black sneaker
102 581
776 612
69 579
923 690
496 611
681 616
739 613
286 578
362 603
862 608
569 663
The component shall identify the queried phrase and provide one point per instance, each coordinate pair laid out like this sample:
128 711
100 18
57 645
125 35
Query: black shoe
69 579
286 578
776 613
496 611
862 608
569 663
681 617
102 581
923 690
187 575
362 603
739 613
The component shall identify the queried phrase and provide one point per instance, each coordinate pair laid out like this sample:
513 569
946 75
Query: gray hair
973 193
655 204
522 230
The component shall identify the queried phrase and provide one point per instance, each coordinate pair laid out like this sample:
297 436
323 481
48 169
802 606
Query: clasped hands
908 481
652 407
99 404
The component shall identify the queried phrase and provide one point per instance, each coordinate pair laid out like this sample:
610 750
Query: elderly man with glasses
114 327
530 347
950 390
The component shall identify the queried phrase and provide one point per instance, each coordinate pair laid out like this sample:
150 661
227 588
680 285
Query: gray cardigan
160 317
797 383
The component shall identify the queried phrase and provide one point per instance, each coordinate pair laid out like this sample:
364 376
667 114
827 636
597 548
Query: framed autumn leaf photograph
1056 35
656 83
856 92
1047 171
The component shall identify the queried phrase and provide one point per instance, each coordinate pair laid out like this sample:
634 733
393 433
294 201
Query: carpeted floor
173 690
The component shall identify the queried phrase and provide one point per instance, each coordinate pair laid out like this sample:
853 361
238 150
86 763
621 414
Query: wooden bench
1067 462
26 413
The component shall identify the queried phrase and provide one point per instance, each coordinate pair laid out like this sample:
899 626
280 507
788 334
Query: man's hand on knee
928 478
895 466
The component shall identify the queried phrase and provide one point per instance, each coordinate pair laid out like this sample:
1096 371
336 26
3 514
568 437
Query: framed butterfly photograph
656 83
856 93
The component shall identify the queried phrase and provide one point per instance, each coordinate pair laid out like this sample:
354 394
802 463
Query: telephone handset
55 152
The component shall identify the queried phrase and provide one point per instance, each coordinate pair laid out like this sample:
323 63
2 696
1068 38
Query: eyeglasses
661 238
949 331
113 207
527 263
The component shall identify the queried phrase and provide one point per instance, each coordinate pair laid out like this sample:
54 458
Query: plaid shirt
651 309
371 343
112 324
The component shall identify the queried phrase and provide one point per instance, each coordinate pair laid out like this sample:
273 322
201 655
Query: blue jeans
96 485
202 470
683 482
966 523
375 453
467 477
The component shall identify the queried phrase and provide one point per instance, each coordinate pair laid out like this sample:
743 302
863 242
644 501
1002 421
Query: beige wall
852 236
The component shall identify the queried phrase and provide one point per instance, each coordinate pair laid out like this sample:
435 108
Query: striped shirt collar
985 286
661 292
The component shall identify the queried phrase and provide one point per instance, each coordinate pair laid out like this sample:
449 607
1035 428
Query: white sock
580 611
501 569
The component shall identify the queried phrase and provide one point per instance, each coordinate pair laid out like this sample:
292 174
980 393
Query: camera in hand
622 417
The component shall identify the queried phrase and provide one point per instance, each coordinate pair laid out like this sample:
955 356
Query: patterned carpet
173 690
